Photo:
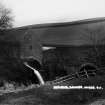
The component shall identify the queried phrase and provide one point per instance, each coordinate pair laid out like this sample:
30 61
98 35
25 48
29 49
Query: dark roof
47 25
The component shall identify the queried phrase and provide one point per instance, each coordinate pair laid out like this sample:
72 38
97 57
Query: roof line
47 25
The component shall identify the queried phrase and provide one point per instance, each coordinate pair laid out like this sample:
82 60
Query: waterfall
36 72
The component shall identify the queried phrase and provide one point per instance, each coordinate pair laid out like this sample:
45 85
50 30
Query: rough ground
42 96
46 95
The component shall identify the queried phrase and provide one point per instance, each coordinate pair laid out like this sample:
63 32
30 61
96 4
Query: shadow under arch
33 62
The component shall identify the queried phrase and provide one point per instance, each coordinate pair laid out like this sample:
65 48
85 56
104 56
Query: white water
36 73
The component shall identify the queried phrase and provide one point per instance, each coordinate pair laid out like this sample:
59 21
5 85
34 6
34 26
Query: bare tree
6 18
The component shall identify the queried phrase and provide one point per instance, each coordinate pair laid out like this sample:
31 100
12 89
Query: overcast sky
27 12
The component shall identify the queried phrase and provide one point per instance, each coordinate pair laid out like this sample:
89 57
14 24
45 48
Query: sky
28 12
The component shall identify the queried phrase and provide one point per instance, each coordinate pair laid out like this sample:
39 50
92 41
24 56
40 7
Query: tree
6 18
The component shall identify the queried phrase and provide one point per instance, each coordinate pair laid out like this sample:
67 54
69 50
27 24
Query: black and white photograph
52 52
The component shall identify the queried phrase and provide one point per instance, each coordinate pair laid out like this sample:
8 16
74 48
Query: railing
80 74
